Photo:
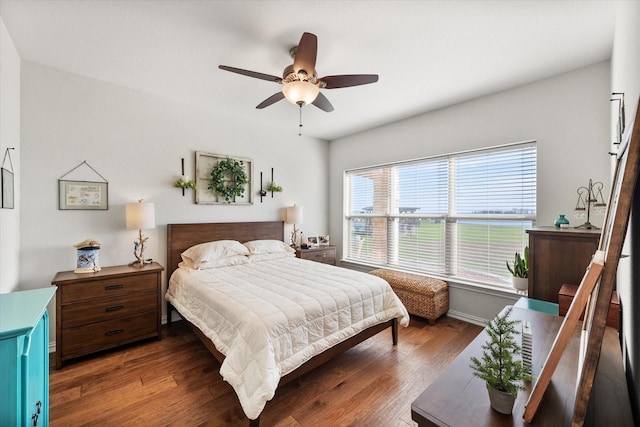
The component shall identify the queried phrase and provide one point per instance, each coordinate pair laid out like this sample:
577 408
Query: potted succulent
498 367
520 270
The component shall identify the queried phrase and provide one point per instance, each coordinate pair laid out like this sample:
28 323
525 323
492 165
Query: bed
279 301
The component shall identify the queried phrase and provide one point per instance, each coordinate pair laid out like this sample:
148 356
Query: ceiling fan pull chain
300 121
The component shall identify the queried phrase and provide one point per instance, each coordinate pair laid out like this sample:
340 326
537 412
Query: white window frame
451 220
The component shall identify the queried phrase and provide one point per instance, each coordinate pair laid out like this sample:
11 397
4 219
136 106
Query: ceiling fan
300 82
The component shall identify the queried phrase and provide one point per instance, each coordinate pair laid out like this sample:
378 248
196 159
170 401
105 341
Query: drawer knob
114 332
113 287
114 308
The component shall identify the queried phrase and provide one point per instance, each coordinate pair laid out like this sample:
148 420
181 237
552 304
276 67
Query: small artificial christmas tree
498 367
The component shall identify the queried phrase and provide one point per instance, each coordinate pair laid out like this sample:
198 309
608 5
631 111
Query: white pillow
220 262
266 257
210 251
268 247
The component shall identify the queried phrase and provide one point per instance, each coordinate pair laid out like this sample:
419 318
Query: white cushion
268 247
206 253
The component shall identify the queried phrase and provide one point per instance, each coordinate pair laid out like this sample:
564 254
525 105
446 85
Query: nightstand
325 254
112 307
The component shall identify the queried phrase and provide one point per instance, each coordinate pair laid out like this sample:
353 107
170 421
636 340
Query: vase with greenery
519 269
499 367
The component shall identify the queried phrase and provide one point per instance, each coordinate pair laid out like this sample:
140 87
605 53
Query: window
460 216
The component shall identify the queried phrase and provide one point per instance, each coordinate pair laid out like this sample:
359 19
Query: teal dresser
24 357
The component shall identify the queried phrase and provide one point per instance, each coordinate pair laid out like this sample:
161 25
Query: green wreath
228 179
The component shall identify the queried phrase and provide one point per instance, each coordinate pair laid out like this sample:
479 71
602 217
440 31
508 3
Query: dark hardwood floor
176 382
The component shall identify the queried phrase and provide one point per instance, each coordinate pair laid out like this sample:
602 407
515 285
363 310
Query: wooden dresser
325 254
558 256
97 311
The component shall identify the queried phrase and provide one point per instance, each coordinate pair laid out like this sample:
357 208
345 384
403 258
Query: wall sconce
140 216
294 216
184 181
589 197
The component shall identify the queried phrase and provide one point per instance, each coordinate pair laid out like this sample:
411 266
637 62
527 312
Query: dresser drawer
326 256
107 287
81 313
103 335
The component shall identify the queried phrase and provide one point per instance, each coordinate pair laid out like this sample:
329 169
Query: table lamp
140 216
294 216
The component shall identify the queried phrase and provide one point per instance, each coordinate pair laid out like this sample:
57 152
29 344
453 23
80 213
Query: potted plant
498 367
520 270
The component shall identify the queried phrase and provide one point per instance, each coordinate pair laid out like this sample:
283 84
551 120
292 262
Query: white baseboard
467 318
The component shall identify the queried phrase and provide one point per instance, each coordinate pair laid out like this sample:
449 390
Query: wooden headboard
181 237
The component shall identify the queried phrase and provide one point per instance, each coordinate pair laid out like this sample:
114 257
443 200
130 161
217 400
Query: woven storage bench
422 296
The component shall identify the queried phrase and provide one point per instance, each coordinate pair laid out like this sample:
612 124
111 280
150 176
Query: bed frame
180 237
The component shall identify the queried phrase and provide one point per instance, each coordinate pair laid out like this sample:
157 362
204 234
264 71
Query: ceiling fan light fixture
300 91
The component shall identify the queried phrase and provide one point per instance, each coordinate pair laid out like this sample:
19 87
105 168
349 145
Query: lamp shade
140 216
300 91
294 214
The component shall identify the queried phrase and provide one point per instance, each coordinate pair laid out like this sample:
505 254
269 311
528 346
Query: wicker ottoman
422 296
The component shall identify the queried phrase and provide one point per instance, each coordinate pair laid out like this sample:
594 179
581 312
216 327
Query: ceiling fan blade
270 100
306 54
254 74
348 80
323 103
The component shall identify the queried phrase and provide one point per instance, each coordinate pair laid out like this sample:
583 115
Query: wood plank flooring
175 382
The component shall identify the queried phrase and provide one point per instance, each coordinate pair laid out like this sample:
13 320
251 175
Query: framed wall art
83 195
7 189
223 179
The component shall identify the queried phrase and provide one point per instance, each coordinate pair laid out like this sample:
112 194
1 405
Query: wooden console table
457 398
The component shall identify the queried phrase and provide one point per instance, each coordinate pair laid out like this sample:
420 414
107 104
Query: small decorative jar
561 222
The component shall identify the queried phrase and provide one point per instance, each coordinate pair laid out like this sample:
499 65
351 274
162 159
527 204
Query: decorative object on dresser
82 193
497 367
294 216
7 182
88 259
325 254
520 271
558 256
140 216
115 306
561 221
24 357
423 296
589 197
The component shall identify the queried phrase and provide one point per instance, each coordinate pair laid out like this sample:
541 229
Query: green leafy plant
274 187
228 178
180 183
498 367
520 266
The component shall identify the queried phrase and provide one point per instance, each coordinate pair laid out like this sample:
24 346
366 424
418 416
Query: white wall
625 77
10 137
136 141
569 116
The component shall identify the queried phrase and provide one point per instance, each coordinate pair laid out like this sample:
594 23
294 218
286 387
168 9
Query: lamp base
140 263
588 226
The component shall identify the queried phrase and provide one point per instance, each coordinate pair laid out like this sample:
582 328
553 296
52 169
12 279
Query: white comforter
270 317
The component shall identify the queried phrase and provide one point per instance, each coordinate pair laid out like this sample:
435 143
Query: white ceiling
429 54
